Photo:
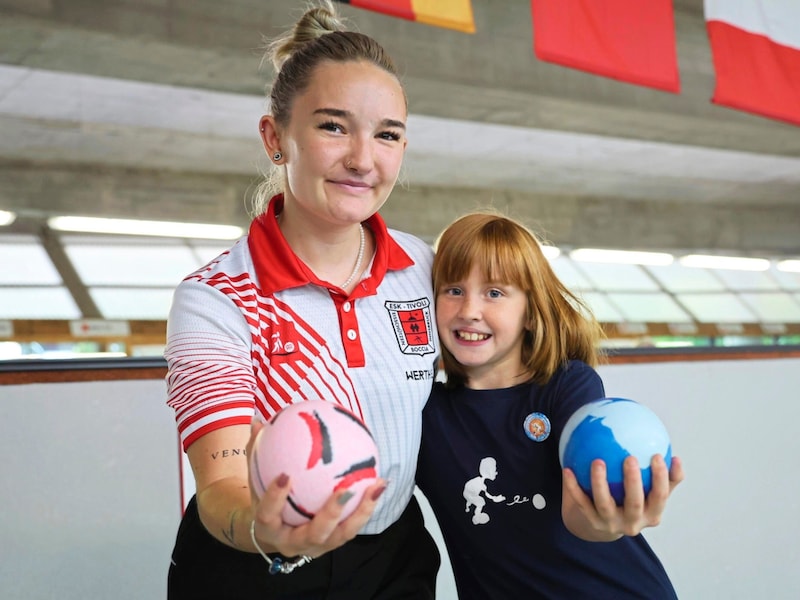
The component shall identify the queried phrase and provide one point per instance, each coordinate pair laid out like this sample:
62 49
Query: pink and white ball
324 449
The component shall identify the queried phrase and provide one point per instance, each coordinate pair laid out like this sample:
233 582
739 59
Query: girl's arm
602 520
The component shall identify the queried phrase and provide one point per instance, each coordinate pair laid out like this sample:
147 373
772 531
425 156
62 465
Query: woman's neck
336 255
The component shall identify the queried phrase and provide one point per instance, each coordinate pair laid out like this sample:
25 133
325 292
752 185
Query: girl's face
344 143
482 324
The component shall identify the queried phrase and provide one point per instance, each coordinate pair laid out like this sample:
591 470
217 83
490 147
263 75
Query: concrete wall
92 496
90 500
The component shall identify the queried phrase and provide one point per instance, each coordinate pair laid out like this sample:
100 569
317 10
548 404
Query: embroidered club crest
413 325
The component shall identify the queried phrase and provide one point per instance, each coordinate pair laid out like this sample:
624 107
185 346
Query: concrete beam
609 223
491 76
38 190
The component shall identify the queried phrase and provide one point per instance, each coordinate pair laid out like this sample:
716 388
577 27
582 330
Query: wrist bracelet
277 564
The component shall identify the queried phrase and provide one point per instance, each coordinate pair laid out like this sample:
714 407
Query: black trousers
400 563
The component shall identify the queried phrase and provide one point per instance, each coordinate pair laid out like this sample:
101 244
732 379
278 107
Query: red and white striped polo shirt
255 330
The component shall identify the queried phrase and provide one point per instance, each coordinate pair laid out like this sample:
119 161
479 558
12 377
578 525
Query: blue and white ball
613 429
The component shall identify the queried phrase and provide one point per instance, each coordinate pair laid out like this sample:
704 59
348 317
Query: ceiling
149 109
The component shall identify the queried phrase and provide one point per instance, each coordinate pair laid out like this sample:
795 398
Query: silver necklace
359 258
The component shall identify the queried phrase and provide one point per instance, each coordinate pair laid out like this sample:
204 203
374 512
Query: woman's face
344 143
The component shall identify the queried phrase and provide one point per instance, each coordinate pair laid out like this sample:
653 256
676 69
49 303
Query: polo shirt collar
278 268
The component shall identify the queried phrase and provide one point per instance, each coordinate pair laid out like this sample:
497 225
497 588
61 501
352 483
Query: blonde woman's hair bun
318 20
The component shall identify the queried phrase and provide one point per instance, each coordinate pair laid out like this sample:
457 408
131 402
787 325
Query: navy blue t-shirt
489 468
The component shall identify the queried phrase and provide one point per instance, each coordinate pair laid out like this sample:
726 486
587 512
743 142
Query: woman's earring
277 156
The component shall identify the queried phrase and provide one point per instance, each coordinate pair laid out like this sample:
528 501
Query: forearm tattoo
228 453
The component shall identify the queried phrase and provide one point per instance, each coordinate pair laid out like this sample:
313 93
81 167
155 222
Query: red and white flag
755 45
629 40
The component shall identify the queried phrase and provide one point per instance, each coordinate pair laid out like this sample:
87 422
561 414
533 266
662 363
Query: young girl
519 353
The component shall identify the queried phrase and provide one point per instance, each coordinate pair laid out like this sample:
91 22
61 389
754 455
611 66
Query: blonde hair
319 35
560 326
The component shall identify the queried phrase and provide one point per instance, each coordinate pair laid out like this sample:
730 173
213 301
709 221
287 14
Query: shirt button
346 307
351 334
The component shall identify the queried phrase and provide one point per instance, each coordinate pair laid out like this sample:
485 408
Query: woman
319 296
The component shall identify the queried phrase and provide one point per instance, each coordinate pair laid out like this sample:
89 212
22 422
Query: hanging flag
629 40
755 45
452 14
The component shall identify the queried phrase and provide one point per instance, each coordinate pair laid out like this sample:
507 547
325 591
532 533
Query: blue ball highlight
613 429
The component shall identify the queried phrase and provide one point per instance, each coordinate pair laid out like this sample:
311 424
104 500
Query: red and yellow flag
452 14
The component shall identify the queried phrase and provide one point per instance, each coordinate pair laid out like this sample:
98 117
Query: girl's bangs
502 259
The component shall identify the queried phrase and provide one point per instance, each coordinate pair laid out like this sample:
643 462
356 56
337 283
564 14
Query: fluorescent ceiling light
7 218
736 263
550 252
148 228
621 257
791 266
674 344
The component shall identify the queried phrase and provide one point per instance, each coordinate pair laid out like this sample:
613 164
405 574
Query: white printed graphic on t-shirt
475 489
